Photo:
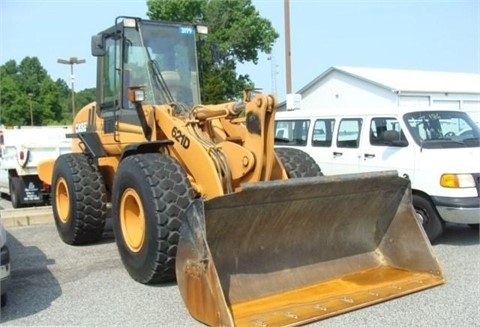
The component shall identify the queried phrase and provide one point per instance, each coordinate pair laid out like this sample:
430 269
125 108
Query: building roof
402 80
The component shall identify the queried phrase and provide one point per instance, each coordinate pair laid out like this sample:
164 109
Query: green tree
65 101
51 109
85 97
238 32
31 75
27 89
12 102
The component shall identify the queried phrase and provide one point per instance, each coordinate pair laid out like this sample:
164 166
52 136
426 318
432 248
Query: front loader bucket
285 253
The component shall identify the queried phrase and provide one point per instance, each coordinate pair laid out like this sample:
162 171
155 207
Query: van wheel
298 163
431 222
150 195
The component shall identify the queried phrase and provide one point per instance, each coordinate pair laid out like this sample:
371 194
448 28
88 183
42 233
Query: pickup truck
21 149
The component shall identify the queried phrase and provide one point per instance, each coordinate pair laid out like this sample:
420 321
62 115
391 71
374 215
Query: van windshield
442 129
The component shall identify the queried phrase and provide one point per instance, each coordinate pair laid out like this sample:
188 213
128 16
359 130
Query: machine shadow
32 286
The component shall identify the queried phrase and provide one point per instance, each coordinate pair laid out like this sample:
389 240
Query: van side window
384 131
291 132
322 132
349 133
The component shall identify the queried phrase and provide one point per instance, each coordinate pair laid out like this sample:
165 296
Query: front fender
45 170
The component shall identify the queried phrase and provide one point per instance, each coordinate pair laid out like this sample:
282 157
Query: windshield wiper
447 139
282 140
167 95
471 140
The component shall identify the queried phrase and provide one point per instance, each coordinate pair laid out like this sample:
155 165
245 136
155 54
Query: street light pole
71 61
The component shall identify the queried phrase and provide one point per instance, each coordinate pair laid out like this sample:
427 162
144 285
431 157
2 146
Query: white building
375 87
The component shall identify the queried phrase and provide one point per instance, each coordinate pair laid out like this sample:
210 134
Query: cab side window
110 87
322 132
385 131
349 133
291 132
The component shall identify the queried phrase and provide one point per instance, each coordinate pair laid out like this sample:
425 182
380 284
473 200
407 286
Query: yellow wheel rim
62 200
132 220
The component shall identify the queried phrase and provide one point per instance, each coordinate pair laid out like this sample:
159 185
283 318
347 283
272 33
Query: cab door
386 147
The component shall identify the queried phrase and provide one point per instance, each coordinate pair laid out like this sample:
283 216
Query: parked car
4 264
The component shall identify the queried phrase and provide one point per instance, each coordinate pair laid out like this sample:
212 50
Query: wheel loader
254 236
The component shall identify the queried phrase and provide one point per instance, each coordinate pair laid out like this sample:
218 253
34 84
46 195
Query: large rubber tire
150 195
473 226
79 199
433 225
15 188
298 163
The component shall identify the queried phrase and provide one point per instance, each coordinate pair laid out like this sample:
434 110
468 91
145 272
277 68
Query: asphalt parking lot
54 284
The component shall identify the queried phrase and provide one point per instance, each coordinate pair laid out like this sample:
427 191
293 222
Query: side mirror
393 138
400 143
98 45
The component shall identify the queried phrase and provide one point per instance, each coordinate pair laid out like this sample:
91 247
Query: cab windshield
162 59
442 129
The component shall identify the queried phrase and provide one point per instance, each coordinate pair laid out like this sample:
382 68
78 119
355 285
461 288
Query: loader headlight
129 22
202 29
136 94
457 180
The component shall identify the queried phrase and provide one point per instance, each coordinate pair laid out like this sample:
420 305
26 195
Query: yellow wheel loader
254 236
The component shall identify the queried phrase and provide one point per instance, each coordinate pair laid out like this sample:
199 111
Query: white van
438 150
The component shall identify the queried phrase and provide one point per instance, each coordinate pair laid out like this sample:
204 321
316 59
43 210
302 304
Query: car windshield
442 129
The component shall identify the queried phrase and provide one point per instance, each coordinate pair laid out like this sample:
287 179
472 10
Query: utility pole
71 61
288 68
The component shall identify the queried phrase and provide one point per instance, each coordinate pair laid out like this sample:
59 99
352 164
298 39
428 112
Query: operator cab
158 58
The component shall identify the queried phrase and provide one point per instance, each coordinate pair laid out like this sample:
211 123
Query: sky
436 35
